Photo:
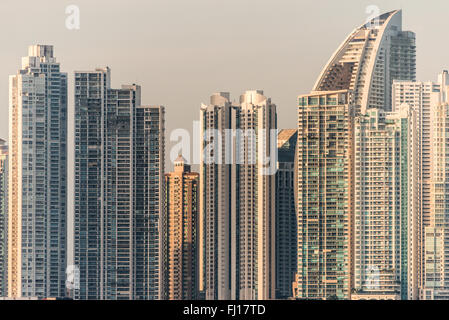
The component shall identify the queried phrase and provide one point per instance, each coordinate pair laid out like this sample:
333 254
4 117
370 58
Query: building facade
217 201
324 195
286 224
385 174
181 187
119 191
37 241
435 279
257 186
237 197
3 218
424 97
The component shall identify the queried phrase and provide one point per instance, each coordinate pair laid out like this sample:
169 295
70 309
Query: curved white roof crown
368 61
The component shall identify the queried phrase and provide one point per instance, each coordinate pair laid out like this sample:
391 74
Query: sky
181 51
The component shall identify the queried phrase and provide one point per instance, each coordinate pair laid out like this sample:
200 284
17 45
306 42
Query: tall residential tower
119 190
217 200
181 265
385 193
237 197
324 195
435 256
424 98
37 198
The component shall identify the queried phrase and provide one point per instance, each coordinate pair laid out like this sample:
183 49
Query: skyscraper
37 177
357 78
3 218
368 61
218 201
324 195
385 174
256 203
119 190
435 257
181 265
237 200
423 97
286 224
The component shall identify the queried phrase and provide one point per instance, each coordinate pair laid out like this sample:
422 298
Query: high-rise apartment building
218 201
181 265
357 78
386 173
37 177
435 257
3 218
256 203
119 191
237 197
423 97
368 61
324 195
286 224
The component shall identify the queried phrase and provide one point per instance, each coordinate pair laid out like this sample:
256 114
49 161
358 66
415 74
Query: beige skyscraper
217 199
237 197
435 279
385 202
181 269
257 209
426 99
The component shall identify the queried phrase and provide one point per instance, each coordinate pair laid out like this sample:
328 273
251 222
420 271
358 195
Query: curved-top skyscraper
357 78
368 61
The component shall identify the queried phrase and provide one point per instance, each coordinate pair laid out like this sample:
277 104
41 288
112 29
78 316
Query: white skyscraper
385 197
435 258
424 98
217 209
237 197
257 198
37 177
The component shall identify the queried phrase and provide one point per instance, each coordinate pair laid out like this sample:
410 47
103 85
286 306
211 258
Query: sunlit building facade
181 187
256 203
385 191
237 197
37 196
435 279
217 201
